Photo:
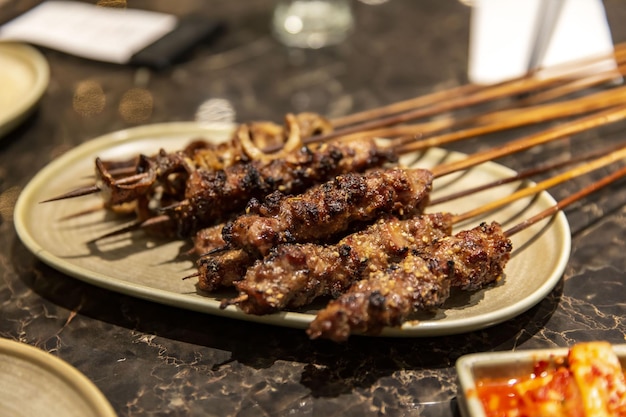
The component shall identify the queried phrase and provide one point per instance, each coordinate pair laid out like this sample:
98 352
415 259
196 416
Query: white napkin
501 37
89 31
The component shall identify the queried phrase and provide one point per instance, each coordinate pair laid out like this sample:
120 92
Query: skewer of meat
214 196
421 281
527 173
469 260
124 181
320 213
217 267
329 209
293 275
600 118
382 239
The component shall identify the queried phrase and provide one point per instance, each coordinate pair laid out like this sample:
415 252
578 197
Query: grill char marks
330 209
213 196
468 260
293 275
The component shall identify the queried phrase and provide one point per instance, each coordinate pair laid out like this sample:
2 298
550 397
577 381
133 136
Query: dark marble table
150 359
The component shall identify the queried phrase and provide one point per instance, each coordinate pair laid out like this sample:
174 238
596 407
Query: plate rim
285 318
56 366
41 70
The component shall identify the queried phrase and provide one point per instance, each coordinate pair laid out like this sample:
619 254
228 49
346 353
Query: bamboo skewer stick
508 119
394 108
481 96
607 180
410 132
420 131
78 192
544 185
604 117
578 85
523 175
417 136
576 68
546 111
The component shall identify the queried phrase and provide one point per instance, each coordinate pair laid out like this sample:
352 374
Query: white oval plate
133 264
36 383
24 77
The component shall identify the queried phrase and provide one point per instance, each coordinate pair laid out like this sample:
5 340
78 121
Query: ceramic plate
36 383
24 76
134 264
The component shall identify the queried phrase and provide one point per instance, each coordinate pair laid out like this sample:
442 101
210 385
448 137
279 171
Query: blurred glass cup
312 23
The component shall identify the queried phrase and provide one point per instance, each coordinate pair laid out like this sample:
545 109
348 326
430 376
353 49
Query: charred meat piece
213 196
208 239
293 275
422 281
476 256
329 209
122 182
218 267
386 298
222 269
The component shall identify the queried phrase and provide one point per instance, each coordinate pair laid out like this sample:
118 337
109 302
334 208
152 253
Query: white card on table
99 33
502 37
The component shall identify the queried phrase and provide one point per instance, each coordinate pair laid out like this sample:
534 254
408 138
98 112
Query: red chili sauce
550 390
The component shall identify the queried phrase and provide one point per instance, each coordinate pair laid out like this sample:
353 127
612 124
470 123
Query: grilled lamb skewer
293 275
298 265
214 196
327 210
468 260
331 208
125 181
217 267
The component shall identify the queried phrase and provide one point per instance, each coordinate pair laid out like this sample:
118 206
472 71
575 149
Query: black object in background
190 32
